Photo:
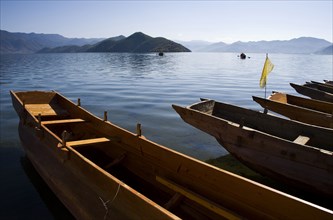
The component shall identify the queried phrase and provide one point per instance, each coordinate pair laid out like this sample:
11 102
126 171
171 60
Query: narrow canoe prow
313 92
178 109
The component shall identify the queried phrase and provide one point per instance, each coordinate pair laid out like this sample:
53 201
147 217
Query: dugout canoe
101 171
319 86
309 111
313 93
328 82
289 151
325 83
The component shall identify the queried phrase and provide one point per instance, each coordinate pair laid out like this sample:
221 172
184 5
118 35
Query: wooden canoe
319 86
313 93
101 171
289 151
325 83
328 82
309 111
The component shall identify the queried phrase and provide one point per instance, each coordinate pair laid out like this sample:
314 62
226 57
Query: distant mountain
85 48
194 45
105 45
215 47
65 49
30 43
303 45
140 42
326 51
136 43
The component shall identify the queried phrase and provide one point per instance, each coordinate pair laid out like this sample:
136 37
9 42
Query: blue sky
213 21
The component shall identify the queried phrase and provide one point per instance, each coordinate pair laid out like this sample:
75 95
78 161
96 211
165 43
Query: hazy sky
214 21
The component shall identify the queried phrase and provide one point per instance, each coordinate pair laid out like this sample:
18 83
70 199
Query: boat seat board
301 140
43 109
73 120
87 141
198 199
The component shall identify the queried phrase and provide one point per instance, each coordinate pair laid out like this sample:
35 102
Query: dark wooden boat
320 86
328 82
325 83
101 171
309 111
313 93
292 152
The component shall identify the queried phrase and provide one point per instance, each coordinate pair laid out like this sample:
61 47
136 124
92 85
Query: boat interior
279 97
273 125
115 156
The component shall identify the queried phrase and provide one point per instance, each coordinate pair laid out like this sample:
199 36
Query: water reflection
54 205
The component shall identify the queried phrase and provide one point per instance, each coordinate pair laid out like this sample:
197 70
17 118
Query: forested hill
32 42
135 43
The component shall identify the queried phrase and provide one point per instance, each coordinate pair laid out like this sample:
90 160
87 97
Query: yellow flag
268 67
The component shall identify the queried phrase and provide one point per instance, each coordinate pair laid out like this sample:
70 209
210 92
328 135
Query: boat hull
79 191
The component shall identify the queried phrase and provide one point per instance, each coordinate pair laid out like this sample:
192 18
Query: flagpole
266 80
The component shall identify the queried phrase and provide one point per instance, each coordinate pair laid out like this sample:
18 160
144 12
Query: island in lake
135 43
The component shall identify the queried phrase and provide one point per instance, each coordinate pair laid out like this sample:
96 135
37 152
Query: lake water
133 88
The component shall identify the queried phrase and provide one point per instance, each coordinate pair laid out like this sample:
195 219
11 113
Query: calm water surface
133 88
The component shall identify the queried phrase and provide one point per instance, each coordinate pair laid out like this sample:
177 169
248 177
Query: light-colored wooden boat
289 151
101 171
309 111
313 93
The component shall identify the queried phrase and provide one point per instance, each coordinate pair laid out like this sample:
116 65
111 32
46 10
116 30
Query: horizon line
176 40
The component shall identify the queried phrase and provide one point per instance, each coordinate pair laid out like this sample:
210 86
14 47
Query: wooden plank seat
301 140
44 110
197 198
87 142
64 121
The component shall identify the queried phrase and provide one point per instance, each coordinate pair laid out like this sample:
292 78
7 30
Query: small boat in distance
101 171
242 56
294 153
313 93
160 53
309 111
